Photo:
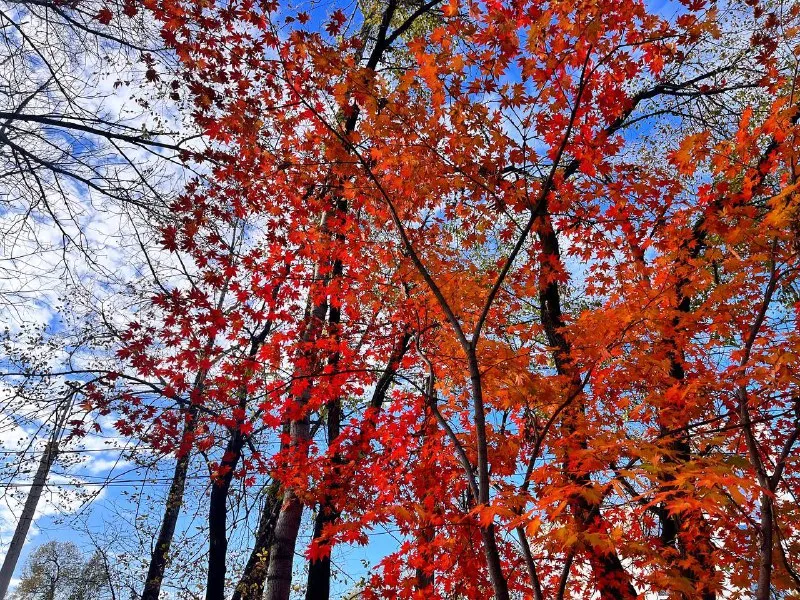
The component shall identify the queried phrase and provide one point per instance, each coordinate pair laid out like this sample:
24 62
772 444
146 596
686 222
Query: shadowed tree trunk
251 584
218 515
281 553
425 577
279 576
426 533
160 556
612 580
319 571
687 531
221 482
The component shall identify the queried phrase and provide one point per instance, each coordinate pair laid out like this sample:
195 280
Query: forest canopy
454 299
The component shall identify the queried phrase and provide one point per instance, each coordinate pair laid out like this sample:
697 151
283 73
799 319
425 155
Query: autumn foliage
519 279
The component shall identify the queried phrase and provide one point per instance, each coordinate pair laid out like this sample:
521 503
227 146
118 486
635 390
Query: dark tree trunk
492 554
426 532
281 554
218 516
533 575
319 571
490 549
286 530
612 580
221 483
279 577
688 531
251 584
765 549
160 556
425 577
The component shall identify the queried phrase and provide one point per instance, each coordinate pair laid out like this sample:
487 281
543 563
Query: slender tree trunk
221 484
492 553
612 580
490 549
281 554
319 571
158 560
765 549
426 532
279 576
425 577
28 512
768 483
32 501
766 531
533 575
251 584
685 534
217 518
686 531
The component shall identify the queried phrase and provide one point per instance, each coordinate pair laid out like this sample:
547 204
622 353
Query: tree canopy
516 281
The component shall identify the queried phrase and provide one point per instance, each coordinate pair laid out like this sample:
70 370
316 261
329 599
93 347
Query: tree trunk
217 518
675 527
158 560
533 575
319 571
425 577
765 549
492 553
32 501
426 532
281 554
612 580
251 584
496 575
221 484
279 574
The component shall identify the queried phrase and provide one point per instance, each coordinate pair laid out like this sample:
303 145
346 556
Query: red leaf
104 15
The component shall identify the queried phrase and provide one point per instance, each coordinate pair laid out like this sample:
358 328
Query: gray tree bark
32 501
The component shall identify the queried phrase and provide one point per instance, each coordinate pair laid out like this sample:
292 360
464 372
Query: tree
602 316
32 499
59 570
89 143
85 134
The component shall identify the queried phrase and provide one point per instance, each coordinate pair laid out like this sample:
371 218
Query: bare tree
90 136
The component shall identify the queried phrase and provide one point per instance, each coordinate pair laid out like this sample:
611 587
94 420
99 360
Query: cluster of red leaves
592 331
